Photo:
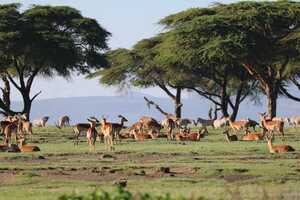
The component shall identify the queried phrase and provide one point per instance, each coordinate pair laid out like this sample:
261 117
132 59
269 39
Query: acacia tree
47 41
140 67
261 37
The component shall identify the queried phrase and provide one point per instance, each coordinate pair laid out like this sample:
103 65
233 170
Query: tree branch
37 94
205 95
254 73
289 95
13 81
149 103
31 78
165 89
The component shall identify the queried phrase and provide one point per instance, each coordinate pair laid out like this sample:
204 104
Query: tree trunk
6 92
178 104
272 94
27 103
224 100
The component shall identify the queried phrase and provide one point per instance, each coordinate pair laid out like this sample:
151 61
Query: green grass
211 168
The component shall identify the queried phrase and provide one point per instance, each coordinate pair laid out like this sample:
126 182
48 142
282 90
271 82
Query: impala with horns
270 125
81 128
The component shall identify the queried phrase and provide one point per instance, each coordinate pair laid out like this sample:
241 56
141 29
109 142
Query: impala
107 131
91 133
26 147
169 125
278 148
238 124
272 126
229 137
254 136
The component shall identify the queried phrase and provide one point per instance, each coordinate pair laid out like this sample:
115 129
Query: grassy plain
211 168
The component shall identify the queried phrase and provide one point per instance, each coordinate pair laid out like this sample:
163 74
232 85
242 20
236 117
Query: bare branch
37 94
289 95
149 103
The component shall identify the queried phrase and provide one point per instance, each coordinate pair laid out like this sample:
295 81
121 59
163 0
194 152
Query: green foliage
120 194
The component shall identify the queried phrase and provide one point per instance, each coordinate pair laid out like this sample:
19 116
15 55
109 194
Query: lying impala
27 147
228 137
278 148
254 136
272 126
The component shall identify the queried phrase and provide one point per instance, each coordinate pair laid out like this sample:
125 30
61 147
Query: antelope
294 121
41 122
117 127
77 129
63 121
272 126
140 136
169 125
219 123
188 136
11 128
237 125
253 136
91 133
107 131
228 137
25 125
251 123
278 148
151 124
26 147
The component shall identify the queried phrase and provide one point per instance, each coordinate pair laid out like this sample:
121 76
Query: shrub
119 194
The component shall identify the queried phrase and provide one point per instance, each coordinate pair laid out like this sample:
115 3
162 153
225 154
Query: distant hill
133 106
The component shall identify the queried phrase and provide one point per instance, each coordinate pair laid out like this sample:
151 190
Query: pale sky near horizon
128 20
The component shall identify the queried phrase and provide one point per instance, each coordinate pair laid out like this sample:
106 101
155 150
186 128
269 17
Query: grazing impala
272 126
278 148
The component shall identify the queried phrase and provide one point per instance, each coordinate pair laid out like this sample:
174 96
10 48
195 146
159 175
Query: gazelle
228 137
26 147
278 148
272 126
91 133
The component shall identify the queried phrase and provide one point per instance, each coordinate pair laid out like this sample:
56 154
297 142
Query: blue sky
128 20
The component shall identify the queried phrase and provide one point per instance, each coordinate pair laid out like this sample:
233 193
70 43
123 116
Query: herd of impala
146 128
